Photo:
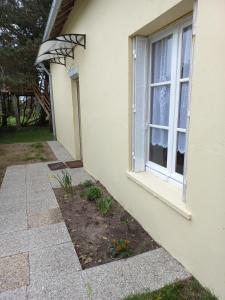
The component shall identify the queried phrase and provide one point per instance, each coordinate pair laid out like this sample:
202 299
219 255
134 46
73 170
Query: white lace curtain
160 95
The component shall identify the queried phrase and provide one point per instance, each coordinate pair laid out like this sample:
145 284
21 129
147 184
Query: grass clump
37 145
65 182
93 193
104 205
185 290
121 248
87 184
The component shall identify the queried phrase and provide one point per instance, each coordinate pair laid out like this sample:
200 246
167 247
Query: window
161 89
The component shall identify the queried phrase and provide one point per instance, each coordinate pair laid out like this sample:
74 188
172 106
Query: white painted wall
105 92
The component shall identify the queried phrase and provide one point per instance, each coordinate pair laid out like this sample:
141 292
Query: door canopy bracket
56 50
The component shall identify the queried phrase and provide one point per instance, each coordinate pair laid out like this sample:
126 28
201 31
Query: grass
185 290
25 135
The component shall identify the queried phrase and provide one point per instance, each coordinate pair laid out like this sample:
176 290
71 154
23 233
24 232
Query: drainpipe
51 98
51 19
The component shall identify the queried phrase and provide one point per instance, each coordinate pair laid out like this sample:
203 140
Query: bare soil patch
92 233
17 154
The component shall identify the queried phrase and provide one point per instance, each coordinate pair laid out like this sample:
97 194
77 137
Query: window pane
181 147
161 60
182 120
186 52
158 146
160 104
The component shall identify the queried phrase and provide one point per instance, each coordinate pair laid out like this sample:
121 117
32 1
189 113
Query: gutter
51 19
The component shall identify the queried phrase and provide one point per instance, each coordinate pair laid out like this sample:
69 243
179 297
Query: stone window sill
168 193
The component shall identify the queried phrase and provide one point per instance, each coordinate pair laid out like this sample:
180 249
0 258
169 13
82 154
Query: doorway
77 119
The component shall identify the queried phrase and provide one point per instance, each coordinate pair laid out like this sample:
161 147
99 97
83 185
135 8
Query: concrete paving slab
51 216
151 270
64 286
110 281
38 188
15 171
41 202
18 294
12 205
42 192
48 236
15 182
59 151
154 269
13 243
14 272
48 262
15 193
13 222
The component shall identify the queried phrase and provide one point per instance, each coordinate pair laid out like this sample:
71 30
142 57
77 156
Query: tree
22 24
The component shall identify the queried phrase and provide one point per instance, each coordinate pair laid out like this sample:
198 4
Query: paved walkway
37 257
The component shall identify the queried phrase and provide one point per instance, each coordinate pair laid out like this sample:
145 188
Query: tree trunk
4 112
16 111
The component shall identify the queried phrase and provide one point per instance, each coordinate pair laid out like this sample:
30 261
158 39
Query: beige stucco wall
105 93
65 108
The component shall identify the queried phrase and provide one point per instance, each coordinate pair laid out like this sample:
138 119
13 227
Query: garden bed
101 237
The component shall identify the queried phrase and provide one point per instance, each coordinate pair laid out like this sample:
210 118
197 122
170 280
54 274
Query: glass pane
186 52
181 147
182 120
161 60
160 105
158 146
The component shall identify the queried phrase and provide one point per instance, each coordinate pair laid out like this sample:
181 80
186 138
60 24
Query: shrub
104 205
65 182
121 248
93 193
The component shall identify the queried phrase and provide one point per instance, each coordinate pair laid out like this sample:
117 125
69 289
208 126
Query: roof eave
51 19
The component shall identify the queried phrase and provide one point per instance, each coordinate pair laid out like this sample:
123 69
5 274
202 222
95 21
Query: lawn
24 146
25 135
185 290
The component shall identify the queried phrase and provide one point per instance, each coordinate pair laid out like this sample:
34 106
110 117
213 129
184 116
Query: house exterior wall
65 110
105 75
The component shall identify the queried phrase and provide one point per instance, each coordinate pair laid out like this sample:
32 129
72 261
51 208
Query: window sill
162 190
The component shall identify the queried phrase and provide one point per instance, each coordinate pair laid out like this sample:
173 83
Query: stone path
37 257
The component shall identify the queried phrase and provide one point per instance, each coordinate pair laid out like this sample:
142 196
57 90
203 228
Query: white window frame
168 173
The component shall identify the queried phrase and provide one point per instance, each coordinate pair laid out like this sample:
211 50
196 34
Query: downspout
51 19
51 98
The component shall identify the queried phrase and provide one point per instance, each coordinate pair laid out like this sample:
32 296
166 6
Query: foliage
125 221
87 184
121 248
22 25
184 290
93 193
65 182
104 204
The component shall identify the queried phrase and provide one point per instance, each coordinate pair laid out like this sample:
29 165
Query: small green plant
93 193
125 221
104 205
121 248
65 182
87 183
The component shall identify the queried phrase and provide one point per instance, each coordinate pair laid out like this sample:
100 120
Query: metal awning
57 49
